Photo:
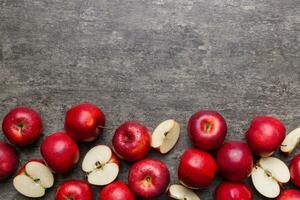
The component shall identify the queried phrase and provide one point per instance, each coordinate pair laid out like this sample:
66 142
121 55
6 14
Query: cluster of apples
148 178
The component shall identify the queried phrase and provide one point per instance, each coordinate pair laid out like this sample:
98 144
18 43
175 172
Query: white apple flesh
181 193
165 136
291 141
99 166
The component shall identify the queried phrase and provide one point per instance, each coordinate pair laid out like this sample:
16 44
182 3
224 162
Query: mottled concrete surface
150 60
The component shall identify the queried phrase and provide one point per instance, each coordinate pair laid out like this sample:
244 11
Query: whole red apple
131 141
8 161
295 170
265 135
22 126
60 152
197 169
207 129
148 178
233 191
84 122
235 160
289 194
116 191
74 190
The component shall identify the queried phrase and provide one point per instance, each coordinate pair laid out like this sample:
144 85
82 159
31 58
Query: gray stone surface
150 60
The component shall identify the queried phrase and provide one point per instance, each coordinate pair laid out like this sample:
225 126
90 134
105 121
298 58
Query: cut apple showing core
100 165
290 142
182 193
34 180
268 175
165 136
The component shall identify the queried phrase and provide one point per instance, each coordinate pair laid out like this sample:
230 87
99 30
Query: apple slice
180 192
165 136
100 165
291 141
268 175
33 179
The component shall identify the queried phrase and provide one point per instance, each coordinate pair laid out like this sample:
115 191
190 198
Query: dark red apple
60 152
233 191
265 135
131 141
207 129
116 191
74 190
197 169
148 178
22 126
235 160
295 170
84 122
289 194
8 161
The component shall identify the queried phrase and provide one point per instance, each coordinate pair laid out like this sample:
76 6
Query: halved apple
100 165
165 136
290 142
180 192
268 175
33 179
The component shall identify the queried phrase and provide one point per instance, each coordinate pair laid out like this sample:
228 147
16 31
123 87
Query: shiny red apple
235 160
60 152
117 190
233 191
265 135
207 129
74 190
84 122
197 169
295 170
148 178
22 126
289 194
8 161
131 141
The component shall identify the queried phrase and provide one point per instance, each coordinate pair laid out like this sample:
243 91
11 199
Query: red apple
84 122
265 135
233 191
60 152
207 129
289 194
295 170
116 191
197 169
8 161
22 126
235 161
148 178
131 141
74 190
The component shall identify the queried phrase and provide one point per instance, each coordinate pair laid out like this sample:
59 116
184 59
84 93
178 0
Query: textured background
150 60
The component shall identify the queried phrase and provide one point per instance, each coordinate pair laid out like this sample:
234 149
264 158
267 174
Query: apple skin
8 159
148 178
233 191
60 152
22 126
207 129
289 194
84 122
131 141
117 190
265 135
75 190
197 169
235 160
295 170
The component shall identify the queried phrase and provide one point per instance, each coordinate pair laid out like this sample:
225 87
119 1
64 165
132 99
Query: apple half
100 165
268 175
180 192
33 179
291 141
165 136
